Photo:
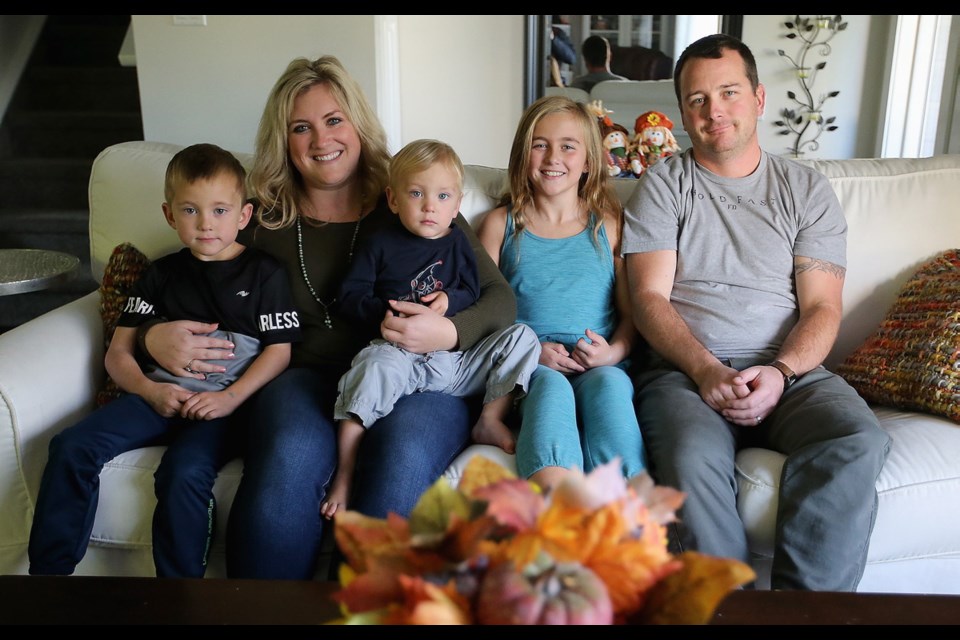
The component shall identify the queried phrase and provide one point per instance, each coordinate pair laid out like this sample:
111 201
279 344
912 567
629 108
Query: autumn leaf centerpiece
496 550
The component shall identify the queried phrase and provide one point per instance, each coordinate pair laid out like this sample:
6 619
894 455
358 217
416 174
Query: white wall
209 84
854 68
460 77
461 81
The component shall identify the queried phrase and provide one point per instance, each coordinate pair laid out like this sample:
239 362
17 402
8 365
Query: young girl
557 241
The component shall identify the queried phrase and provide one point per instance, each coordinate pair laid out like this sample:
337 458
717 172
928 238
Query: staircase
73 100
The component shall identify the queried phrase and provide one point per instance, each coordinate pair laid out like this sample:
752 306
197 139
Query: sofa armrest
50 370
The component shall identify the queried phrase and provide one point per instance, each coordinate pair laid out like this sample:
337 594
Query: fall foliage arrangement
496 550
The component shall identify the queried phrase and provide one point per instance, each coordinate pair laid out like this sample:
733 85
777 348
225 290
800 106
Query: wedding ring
189 370
758 417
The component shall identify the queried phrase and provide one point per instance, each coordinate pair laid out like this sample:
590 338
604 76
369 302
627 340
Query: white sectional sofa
900 212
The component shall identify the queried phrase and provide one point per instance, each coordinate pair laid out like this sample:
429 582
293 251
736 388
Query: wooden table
24 270
821 607
80 600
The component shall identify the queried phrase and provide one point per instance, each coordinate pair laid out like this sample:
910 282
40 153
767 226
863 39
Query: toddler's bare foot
328 509
336 498
490 430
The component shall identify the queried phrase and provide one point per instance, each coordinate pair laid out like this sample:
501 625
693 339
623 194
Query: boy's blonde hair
275 182
420 155
201 162
594 189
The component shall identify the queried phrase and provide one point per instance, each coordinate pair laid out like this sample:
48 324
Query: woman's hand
182 348
418 329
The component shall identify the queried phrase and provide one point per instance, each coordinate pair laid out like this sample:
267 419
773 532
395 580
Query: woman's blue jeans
275 527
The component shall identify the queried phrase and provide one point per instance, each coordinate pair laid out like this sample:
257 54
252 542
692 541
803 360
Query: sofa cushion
900 213
124 267
454 472
127 501
911 360
479 183
917 484
127 487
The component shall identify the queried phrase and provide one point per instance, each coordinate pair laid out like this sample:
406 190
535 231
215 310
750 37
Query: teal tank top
564 286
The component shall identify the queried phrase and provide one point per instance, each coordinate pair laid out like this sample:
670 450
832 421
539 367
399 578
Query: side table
23 270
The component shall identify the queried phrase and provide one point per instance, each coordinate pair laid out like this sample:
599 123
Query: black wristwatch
789 377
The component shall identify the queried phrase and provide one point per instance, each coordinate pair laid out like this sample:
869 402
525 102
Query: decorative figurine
654 140
616 142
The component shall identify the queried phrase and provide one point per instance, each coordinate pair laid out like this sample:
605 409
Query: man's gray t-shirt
736 239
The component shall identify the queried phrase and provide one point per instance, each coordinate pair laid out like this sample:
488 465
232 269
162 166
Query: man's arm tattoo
810 264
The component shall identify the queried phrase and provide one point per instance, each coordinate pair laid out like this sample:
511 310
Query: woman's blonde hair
274 180
594 189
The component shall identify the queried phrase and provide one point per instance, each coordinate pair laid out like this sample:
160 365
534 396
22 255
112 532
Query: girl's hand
555 356
595 352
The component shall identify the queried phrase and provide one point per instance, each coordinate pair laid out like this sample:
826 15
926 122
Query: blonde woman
319 178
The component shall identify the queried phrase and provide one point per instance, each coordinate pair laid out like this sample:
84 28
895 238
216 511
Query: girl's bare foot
549 477
489 430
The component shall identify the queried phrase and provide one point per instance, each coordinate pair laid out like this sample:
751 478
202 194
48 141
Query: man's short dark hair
713 46
595 50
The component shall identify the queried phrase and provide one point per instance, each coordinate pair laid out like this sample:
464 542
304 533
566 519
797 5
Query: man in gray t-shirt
736 261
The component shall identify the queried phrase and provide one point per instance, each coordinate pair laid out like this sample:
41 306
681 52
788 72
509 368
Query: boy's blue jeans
185 516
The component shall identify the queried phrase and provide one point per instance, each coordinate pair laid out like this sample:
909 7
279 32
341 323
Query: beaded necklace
303 269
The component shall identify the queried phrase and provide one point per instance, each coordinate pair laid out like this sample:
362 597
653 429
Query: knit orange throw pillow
912 361
125 266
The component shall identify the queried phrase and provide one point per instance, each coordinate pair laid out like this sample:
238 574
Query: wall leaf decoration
805 119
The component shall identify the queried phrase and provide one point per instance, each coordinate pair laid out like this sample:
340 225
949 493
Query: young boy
422 256
212 279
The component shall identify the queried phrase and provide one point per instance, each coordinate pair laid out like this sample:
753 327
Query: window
916 83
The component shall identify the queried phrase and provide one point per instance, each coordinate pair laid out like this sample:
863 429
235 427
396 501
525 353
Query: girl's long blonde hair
594 190
274 180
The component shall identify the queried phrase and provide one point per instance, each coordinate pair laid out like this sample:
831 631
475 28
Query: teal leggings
579 421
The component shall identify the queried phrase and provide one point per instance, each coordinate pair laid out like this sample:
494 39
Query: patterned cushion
912 361
123 269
